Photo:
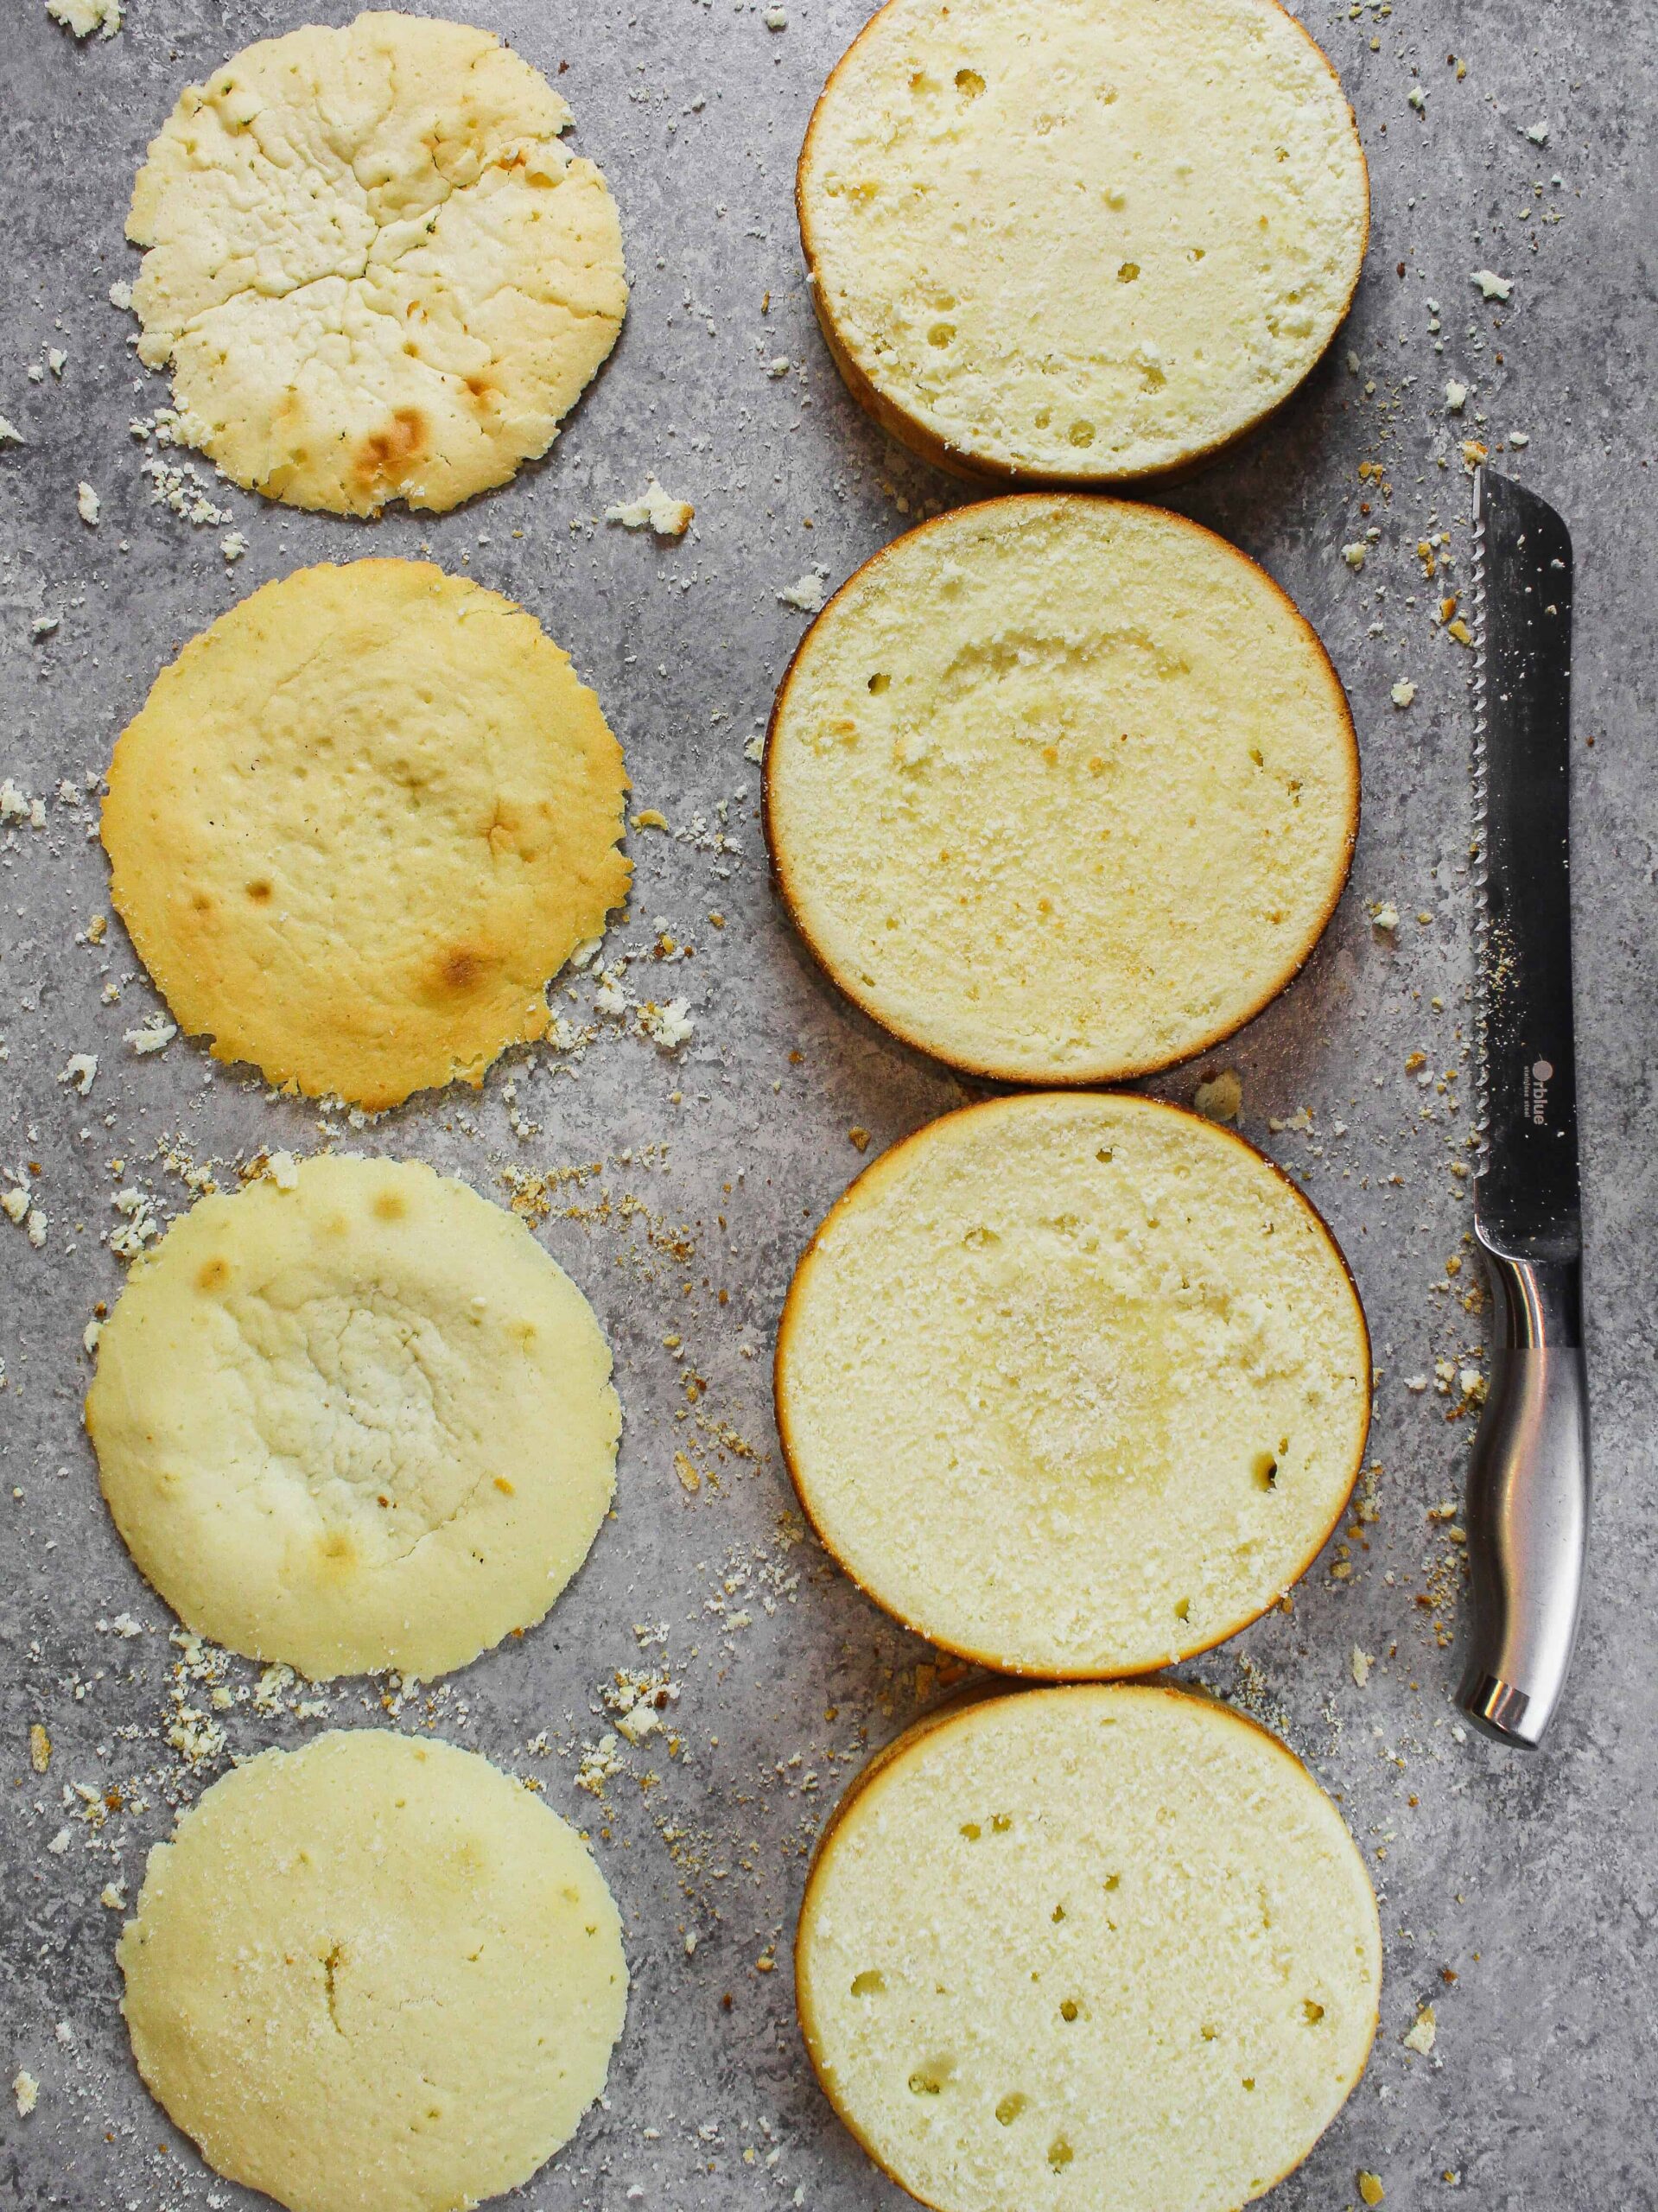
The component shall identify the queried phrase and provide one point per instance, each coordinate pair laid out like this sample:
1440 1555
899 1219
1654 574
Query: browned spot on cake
336 1549
389 1207
463 968
259 892
386 456
213 1274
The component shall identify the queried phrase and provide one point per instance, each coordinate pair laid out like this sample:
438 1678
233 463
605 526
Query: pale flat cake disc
355 1420
358 825
374 270
1087 1948
374 1976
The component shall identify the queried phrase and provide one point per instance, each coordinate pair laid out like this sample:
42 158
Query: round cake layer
374 1976
376 273
1080 241
359 824
1061 790
354 1420
1084 1947
1074 1385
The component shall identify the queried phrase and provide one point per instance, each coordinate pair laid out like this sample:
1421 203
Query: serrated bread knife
1528 1480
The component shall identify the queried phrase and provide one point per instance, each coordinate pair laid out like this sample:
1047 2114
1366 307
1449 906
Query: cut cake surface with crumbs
1085 1946
1074 1385
1080 240
1061 788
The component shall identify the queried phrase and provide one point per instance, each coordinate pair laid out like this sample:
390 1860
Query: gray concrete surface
1521 1897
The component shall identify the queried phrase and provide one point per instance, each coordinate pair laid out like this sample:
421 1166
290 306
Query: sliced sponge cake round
1080 241
1061 788
1074 1385
1085 1946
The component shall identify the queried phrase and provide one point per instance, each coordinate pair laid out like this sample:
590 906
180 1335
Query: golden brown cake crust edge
958 1712
968 465
1102 1071
868 1184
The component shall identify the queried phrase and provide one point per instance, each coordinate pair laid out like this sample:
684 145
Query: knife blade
1528 1477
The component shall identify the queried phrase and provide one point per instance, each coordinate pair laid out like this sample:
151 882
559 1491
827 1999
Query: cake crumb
655 510
83 17
27 2090
154 1034
1219 1097
806 593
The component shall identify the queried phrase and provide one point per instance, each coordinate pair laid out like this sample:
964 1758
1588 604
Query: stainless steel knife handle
1527 1504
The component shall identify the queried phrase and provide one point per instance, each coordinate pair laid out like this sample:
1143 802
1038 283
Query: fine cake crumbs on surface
655 510
16 805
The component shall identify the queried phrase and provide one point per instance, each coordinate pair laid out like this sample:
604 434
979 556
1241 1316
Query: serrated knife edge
1478 848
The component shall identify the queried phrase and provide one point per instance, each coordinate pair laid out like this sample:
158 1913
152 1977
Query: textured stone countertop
1519 1895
